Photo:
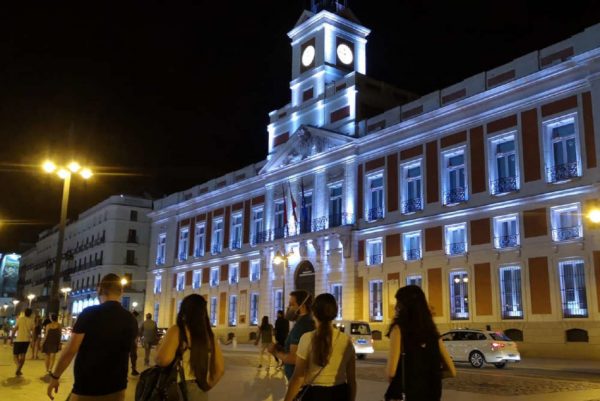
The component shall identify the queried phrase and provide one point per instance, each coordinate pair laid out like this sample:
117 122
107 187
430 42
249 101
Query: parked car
479 347
360 333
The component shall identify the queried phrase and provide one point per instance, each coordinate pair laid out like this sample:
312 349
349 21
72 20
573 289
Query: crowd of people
318 360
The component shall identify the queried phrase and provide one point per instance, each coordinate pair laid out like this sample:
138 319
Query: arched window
577 336
514 334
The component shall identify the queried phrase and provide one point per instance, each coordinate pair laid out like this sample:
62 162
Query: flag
285 222
304 211
293 204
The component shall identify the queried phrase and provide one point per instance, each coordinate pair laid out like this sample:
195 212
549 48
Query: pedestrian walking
134 347
298 311
101 339
282 329
24 333
36 338
51 344
265 338
416 350
325 359
149 333
192 336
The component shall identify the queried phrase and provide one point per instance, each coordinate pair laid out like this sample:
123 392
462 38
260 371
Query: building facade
478 193
111 237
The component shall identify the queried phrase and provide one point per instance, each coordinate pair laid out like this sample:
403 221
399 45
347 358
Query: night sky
160 96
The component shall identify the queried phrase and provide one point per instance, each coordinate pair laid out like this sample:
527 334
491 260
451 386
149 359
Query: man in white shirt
24 329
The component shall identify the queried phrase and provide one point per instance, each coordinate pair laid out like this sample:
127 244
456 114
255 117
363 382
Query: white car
360 333
481 346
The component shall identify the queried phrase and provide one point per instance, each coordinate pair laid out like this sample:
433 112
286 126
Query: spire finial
330 5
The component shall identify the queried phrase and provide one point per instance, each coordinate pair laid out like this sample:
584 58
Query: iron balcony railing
562 172
504 185
279 232
507 241
566 233
455 195
375 213
217 249
412 254
236 243
456 248
374 259
512 312
412 205
260 237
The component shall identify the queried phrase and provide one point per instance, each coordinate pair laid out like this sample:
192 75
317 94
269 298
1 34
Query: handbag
305 388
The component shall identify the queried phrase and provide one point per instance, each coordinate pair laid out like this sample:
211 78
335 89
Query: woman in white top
202 359
325 363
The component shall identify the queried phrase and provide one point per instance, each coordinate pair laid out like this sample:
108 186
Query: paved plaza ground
535 380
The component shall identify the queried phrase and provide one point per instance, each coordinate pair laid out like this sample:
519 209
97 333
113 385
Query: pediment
305 143
305 15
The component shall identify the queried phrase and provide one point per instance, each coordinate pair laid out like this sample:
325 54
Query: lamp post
30 297
65 174
134 305
15 303
65 291
279 259
594 216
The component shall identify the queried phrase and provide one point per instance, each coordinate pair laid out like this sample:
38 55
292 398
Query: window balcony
459 315
507 241
306 226
254 276
512 312
160 260
562 172
412 206
260 237
236 243
217 249
456 248
573 308
566 233
455 195
199 252
373 260
375 214
279 232
182 256
504 185
412 254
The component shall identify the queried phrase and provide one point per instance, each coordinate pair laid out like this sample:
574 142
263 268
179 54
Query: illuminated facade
477 193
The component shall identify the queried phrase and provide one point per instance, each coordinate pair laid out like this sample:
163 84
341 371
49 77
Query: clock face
308 55
344 53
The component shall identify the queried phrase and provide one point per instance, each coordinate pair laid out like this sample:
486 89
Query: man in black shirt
282 328
101 339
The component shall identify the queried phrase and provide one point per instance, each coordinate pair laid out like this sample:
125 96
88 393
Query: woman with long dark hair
325 360
417 356
265 337
202 359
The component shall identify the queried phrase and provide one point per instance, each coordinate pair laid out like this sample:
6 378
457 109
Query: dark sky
160 96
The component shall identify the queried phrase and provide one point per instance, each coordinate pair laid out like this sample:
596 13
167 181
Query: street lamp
65 291
124 282
594 216
30 297
15 303
134 304
279 259
65 173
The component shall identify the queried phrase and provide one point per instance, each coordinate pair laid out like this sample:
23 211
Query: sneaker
135 373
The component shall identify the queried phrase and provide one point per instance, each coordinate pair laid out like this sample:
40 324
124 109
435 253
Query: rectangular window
572 288
561 141
306 213
255 270
161 249
156 310
184 235
234 273
199 239
214 276
412 188
232 310
258 234
335 206
375 197
197 279
454 177
504 166
566 222
414 279
277 301
236 231
459 295
132 236
133 215
506 231
180 285
412 245
336 291
157 284
374 252
254 309
456 239
510 292
213 311
217 236
279 229
129 257
376 300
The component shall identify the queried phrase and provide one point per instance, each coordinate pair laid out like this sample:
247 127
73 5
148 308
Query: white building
111 237
477 192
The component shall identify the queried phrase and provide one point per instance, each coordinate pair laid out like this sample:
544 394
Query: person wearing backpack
192 338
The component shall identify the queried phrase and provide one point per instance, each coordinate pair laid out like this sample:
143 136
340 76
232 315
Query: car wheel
361 356
500 365
476 359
